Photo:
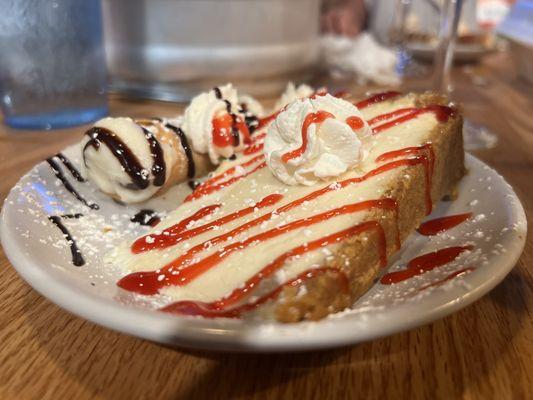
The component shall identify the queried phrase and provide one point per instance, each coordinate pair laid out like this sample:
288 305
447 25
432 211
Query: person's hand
345 17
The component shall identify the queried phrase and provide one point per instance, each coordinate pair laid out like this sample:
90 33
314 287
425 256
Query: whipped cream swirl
302 150
199 116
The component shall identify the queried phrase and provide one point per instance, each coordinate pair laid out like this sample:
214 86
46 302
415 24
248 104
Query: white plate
38 251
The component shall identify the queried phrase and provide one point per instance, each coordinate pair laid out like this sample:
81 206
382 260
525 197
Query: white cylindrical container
172 49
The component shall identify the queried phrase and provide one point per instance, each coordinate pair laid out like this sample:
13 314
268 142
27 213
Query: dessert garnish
315 139
438 225
146 217
63 179
215 125
424 263
77 258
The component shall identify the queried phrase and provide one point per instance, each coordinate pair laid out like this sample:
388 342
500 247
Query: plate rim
219 335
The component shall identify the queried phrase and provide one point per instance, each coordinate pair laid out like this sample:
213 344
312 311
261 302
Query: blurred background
60 59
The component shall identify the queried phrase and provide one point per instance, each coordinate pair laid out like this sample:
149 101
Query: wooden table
482 352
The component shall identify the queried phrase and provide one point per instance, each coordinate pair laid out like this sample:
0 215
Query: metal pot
173 49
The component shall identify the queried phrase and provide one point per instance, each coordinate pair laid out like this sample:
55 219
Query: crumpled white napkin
361 56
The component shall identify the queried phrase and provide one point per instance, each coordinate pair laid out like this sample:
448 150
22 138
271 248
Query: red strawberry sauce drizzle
182 270
355 122
424 263
311 118
209 310
177 232
390 115
267 120
442 113
223 130
437 225
377 98
238 294
182 225
418 159
427 159
256 145
254 148
151 281
447 278
217 182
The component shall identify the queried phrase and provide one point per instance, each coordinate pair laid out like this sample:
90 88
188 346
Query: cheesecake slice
245 243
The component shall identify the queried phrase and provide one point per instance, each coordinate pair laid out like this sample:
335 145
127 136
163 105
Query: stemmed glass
476 136
450 14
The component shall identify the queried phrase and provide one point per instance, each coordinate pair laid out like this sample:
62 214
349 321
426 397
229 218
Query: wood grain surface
482 352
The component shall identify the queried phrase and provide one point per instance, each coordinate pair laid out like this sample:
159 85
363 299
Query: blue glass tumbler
52 65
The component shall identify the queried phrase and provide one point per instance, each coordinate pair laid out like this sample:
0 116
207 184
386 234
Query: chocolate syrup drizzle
234 129
193 184
71 216
251 121
159 165
228 106
129 161
191 168
59 175
77 258
218 93
146 217
72 169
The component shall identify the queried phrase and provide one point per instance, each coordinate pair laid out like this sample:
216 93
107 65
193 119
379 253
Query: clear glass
397 35
401 11
52 68
450 14
430 27
475 136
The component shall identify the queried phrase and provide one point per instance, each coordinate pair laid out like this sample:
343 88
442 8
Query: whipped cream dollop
292 93
198 121
316 139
